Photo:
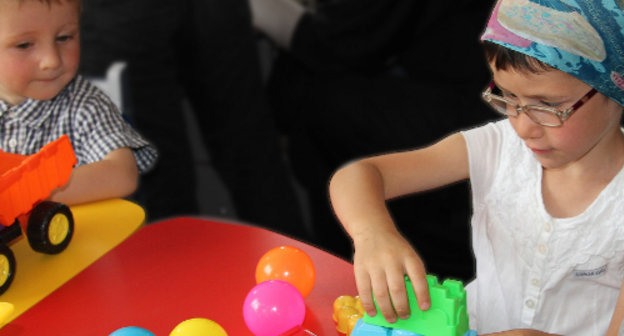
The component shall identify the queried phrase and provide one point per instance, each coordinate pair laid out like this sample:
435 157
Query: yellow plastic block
347 311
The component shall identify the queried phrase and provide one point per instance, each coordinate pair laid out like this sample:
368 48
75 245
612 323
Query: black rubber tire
44 217
7 268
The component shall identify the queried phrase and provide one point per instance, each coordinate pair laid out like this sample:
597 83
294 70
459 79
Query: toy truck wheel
50 227
7 268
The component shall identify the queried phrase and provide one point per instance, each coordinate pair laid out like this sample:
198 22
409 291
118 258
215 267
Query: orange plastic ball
289 264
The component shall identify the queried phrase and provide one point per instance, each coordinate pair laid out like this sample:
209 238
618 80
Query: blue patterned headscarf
584 38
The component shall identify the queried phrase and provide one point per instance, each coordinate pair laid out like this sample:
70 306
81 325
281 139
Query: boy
42 98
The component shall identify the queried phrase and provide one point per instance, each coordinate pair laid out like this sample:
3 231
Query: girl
547 182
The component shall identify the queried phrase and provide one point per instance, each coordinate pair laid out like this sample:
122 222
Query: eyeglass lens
540 116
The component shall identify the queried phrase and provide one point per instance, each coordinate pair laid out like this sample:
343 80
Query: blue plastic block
364 329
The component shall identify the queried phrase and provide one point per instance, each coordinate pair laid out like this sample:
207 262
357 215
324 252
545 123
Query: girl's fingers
382 296
398 294
416 272
363 284
380 278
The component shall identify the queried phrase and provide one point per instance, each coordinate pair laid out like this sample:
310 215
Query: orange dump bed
27 180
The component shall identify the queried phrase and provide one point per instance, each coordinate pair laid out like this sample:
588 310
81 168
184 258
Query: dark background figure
204 51
363 77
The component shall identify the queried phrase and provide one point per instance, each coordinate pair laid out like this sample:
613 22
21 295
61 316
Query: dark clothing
365 77
204 50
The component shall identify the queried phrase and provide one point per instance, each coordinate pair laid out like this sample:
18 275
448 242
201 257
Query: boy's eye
23 45
64 38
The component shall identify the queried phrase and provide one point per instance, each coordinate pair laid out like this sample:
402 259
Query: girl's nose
526 128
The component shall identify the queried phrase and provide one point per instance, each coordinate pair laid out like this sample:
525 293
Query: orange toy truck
25 183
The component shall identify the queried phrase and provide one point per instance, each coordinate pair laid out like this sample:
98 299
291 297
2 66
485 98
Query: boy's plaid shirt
83 112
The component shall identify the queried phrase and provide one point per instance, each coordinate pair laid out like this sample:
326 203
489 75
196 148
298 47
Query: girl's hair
504 58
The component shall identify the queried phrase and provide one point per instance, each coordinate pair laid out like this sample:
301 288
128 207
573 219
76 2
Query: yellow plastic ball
198 327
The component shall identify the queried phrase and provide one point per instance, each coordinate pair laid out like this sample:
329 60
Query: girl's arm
382 256
617 320
116 175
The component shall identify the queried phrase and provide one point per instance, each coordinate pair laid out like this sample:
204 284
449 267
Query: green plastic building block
446 317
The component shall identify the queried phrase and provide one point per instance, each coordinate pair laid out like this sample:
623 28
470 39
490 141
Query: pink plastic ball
273 307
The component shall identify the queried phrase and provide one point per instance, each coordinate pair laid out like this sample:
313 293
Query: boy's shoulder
80 86
81 91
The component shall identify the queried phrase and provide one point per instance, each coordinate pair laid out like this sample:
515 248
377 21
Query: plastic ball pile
285 275
275 306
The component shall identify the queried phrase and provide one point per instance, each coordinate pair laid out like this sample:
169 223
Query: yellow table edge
98 228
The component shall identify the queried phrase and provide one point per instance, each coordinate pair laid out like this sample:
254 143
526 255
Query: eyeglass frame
562 115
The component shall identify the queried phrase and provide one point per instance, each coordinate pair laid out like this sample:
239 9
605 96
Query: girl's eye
509 95
550 104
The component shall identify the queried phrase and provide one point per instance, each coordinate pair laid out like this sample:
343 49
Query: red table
175 270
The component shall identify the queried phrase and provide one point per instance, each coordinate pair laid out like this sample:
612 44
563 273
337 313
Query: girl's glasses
543 115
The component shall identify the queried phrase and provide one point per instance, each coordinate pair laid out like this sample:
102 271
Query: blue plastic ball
132 331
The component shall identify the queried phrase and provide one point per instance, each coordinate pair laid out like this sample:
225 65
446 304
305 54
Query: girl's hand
381 261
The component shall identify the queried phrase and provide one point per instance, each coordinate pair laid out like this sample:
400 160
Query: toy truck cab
25 183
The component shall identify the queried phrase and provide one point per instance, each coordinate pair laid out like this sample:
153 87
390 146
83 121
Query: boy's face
588 134
39 48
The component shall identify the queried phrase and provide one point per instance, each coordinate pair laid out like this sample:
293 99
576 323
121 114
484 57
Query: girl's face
39 48
587 135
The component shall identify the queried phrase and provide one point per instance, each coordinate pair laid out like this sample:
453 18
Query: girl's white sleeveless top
558 275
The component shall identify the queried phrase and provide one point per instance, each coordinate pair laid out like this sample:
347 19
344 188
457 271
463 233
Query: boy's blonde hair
49 2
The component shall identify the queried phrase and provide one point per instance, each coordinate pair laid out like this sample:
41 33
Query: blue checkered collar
31 113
